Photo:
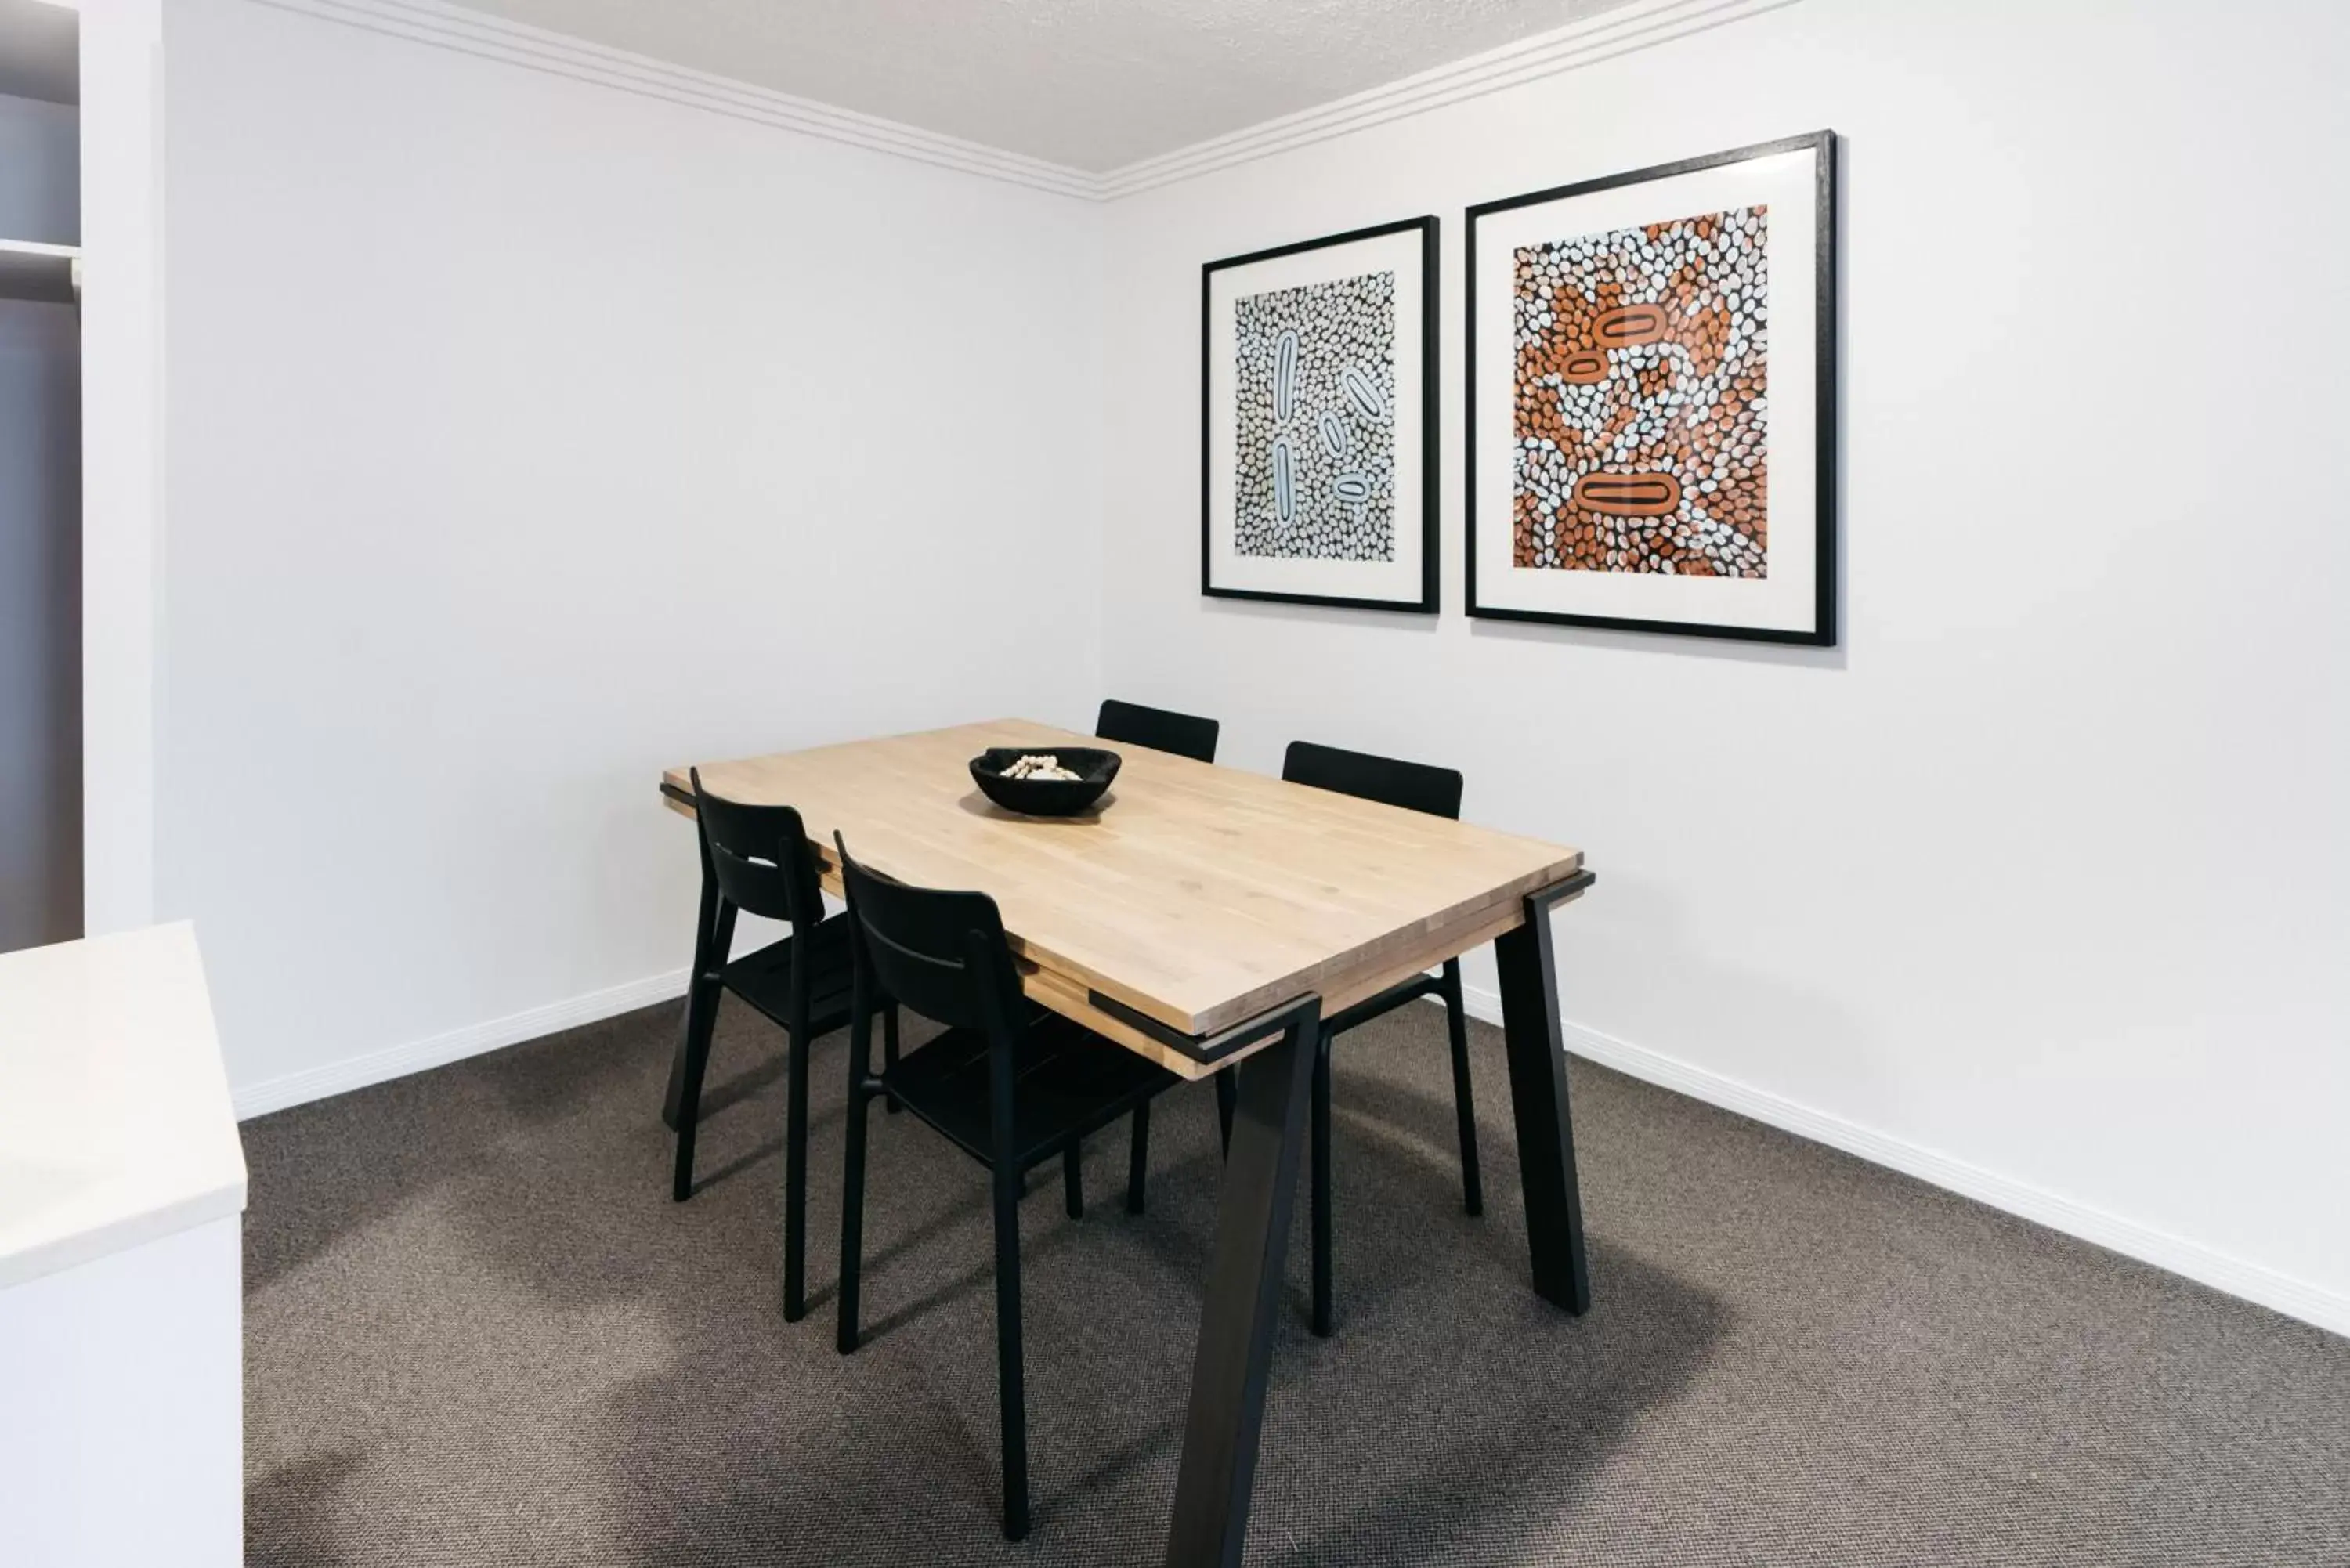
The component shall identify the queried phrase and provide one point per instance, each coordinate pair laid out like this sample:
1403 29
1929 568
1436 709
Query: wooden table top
1197 895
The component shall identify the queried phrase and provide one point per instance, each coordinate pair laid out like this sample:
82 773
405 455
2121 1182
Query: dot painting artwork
1650 399
1317 420
1642 410
1314 459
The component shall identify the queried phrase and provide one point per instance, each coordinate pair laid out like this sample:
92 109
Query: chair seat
1070 1081
764 979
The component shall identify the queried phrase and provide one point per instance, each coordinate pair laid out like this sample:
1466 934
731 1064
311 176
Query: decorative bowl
1044 797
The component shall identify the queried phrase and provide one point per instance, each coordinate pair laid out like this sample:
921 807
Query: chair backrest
1414 786
760 855
1159 729
942 954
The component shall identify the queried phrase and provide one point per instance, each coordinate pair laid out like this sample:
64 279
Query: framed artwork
1651 399
1317 421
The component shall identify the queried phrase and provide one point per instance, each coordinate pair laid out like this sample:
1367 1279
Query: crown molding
1640 26
487 37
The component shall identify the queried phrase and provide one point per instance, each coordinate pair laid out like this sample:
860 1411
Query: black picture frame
1823 630
1430 487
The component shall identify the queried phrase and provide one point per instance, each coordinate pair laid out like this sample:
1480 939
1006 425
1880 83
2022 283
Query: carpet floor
479 1334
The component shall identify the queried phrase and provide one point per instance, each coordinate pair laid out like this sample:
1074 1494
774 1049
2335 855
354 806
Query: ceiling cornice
494 38
1639 26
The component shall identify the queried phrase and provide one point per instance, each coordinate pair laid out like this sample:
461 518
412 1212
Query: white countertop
115 1122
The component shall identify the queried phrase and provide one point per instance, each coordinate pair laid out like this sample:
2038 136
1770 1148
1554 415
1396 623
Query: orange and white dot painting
1641 419
1650 388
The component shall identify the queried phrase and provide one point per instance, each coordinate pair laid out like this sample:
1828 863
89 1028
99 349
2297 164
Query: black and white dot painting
1314 396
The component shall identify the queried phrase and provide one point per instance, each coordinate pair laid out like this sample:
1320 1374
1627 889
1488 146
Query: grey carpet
478 1334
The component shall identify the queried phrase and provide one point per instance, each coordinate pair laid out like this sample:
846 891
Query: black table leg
1245 1279
694 981
1538 1100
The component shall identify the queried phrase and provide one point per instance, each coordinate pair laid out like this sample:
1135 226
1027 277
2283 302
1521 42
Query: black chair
757 857
1008 1083
1415 787
1186 736
1158 729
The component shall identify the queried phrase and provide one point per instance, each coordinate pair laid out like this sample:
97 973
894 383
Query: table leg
1538 1100
1246 1275
702 925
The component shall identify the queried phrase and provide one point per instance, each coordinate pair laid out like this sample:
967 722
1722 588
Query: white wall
2036 884
527 437
122 453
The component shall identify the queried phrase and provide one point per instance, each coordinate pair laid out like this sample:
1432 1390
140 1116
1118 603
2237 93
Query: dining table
1210 919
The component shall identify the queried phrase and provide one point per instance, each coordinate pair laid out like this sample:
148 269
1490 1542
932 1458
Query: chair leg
852 1225
1073 1180
1226 1096
1138 1157
1464 1104
795 1146
688 1100
889 1052
1010 1388
852 1169
706 912
702 1024
1320 1197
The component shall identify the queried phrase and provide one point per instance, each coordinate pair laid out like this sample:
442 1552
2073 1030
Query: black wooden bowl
1044 797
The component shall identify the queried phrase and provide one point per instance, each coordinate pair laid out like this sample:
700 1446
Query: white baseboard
2253 1283
398 1061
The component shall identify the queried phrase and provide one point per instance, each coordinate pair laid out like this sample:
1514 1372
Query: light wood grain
1198 895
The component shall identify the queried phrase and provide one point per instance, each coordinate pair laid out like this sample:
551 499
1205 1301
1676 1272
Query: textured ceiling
1092 84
